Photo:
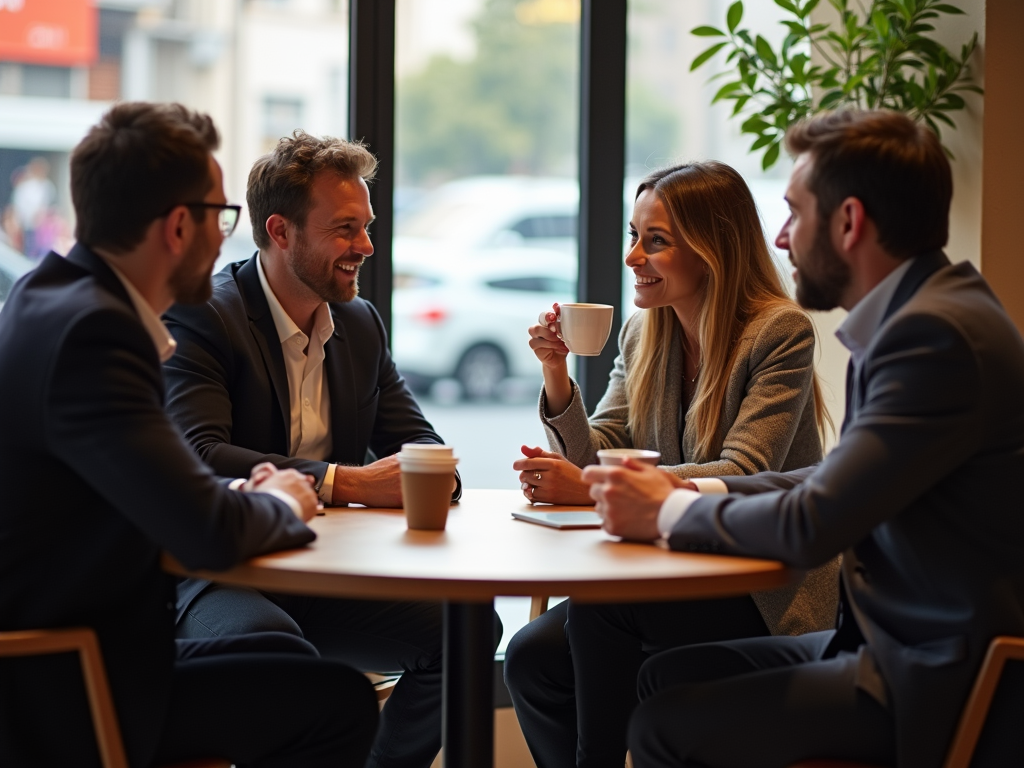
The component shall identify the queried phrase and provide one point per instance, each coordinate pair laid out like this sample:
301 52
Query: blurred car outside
461 321
13 265
475 261
487 212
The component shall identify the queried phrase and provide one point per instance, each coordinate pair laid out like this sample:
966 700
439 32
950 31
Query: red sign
54 32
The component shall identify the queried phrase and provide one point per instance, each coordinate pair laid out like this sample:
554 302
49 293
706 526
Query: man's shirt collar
162 339
866 317
286 327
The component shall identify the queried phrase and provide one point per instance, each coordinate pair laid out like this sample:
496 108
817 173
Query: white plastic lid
436 466
427 451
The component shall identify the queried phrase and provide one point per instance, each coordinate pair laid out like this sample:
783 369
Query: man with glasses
97 481
285 364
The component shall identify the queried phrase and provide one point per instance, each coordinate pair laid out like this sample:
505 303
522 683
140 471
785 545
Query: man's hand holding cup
629 497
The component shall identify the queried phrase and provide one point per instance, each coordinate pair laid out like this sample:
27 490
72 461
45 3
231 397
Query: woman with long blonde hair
716 372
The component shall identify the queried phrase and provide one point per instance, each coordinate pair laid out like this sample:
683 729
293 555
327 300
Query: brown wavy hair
281 182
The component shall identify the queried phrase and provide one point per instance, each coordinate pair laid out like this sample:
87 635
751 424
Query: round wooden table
484 553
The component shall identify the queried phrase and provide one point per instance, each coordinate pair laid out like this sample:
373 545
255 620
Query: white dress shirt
308 393
165 347
855 334
162 339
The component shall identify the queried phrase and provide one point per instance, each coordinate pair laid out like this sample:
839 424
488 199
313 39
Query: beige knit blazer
767 425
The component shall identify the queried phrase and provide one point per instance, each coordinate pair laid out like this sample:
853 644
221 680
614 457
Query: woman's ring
537 476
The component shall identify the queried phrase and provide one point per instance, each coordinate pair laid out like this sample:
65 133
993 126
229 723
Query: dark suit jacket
227 386
96 481
922 495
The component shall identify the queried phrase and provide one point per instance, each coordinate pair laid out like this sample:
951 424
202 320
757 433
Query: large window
486 203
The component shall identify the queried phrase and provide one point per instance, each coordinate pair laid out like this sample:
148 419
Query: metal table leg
467 722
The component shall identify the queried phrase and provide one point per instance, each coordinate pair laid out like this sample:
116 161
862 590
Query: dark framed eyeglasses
227 215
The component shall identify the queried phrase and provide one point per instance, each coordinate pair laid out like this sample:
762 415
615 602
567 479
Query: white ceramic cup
616 456
585 327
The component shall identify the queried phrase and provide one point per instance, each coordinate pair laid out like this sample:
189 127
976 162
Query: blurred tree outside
514 107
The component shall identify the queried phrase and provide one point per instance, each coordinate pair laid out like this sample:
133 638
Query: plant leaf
707 32
707 55
735 14
726 89
754 124
948 9
740 103
770 156
830 99
881 23
764 50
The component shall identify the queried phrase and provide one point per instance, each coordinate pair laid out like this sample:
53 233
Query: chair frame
101 704
538 606
1000 650
972 719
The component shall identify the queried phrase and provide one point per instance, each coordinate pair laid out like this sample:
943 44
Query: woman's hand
551 478
545 341
549 348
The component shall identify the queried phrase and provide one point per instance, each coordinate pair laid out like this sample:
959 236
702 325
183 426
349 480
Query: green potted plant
879 56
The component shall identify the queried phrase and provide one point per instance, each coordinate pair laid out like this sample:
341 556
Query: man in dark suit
97 482
920 493
285 364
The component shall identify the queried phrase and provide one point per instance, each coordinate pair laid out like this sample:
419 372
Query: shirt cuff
673 509
709 484
236 484
288 499
326 492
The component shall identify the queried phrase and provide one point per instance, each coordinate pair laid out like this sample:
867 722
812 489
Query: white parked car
465 317
484 212
474 263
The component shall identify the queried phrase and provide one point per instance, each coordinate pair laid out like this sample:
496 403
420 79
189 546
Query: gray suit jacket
922 495
767 423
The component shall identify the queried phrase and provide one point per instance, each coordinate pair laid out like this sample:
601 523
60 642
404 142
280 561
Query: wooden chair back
101 705
972 719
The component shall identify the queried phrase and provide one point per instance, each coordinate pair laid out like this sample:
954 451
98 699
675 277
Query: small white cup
616 456
585 327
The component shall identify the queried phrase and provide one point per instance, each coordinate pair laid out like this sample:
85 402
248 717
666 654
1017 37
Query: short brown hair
894 166
280 182
137 163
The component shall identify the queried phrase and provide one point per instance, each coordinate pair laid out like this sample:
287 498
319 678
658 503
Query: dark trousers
572 673
757 703
284 709
372 636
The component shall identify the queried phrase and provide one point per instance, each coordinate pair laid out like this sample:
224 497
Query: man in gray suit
921 494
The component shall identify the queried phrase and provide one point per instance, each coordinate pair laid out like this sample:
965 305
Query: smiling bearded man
286 364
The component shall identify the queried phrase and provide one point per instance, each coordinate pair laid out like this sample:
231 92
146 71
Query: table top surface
484 553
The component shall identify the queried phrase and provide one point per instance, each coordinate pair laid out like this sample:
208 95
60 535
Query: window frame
602 161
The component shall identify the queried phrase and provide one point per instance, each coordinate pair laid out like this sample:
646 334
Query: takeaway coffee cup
428 476
615 456
585 327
